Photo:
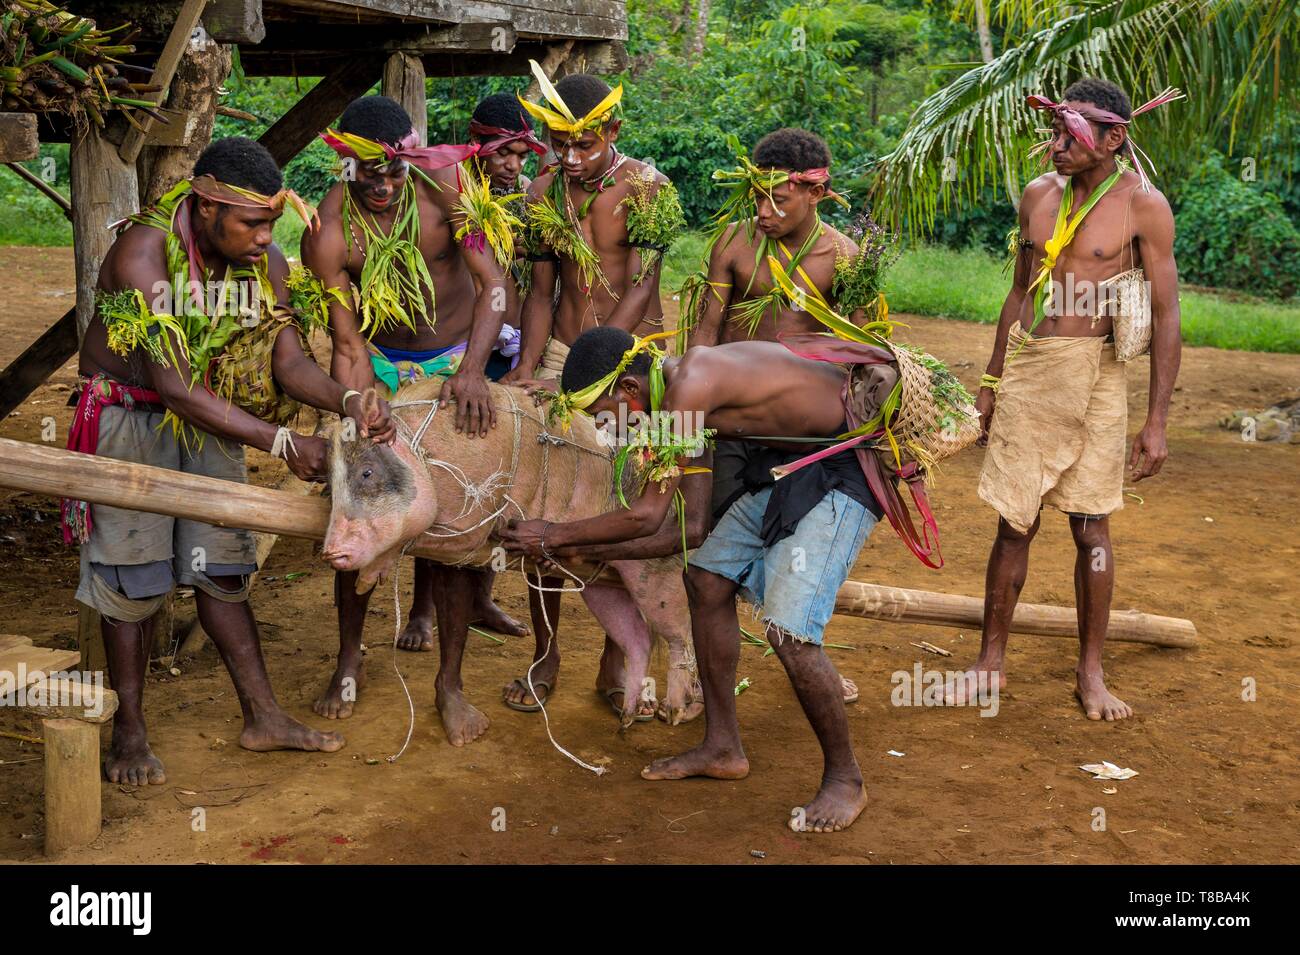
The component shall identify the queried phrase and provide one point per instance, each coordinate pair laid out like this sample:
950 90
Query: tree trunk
701 27
982 25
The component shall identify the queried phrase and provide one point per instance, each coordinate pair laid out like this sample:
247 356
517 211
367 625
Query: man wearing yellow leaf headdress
786 546
599 223
1053 403
195 346
772 211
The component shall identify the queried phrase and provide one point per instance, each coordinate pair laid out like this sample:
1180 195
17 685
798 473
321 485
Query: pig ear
370 403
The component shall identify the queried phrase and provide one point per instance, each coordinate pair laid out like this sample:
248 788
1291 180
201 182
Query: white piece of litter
1106 770
894 752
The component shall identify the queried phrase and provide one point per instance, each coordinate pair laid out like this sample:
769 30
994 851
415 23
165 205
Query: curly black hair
597 352
582 92
793 149
239 161
501 110
1103 94
376 117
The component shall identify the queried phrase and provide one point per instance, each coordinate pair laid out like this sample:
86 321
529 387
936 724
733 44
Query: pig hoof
676 715
416 635
461 720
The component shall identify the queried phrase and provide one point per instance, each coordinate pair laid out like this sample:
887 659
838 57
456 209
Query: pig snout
355 543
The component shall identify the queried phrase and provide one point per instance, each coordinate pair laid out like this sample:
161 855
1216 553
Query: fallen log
45 470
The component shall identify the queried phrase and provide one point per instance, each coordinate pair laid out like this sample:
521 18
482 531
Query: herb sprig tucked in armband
309 299
859 280
654 221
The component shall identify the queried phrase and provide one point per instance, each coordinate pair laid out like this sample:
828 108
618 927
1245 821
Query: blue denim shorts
793 583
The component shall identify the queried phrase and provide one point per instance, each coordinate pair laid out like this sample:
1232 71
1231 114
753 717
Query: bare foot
1098 702
417 635
337 699
132 762
492 617
834 807
715 764
979 681
279 730
461 720
517 692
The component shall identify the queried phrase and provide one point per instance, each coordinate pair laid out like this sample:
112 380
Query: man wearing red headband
198 266
416 301
1054 402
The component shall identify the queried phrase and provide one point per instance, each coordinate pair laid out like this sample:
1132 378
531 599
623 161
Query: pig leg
337 699
418 632
516 694
454 593
657 590
618 614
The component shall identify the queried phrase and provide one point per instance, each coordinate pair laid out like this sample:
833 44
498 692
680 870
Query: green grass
970 286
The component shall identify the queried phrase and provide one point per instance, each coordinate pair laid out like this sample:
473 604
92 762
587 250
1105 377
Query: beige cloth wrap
1059 430
552 363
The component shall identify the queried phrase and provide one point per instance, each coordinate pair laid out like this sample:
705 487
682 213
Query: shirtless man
608 275
447 322
787 547
1053 405
737 300
131 560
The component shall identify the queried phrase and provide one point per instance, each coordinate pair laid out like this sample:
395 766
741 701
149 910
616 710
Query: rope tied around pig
478 496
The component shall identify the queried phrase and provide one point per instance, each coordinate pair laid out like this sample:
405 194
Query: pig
445 497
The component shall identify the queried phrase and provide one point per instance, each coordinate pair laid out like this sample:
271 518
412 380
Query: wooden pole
73 812
44 470
857 599
404 82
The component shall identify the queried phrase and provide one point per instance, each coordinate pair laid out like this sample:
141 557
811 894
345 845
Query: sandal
618 709
533 707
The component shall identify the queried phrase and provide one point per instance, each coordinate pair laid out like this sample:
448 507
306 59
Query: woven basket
1126 299
927 430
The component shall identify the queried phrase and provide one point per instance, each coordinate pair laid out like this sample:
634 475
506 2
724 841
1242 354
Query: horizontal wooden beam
226 21
45 470
41 359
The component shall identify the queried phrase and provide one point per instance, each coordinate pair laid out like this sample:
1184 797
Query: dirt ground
1212 539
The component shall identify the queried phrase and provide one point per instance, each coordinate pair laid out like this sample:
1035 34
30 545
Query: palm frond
1238 60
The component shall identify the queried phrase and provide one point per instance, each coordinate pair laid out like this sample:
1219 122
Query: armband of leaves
489 220
654 221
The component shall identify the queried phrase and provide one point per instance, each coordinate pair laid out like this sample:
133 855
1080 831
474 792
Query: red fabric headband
493 138
428 158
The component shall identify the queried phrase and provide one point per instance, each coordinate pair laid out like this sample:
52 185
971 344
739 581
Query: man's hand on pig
375 420
524 537
307 456
474 411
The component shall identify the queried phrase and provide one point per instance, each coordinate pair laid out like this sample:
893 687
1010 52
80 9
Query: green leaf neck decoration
749 313
553 219
395 280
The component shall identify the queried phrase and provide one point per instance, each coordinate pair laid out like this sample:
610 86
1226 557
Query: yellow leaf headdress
559 117
564 403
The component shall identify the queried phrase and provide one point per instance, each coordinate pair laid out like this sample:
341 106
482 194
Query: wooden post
104 190
194 98
404 82
18 141
73 814
177 45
